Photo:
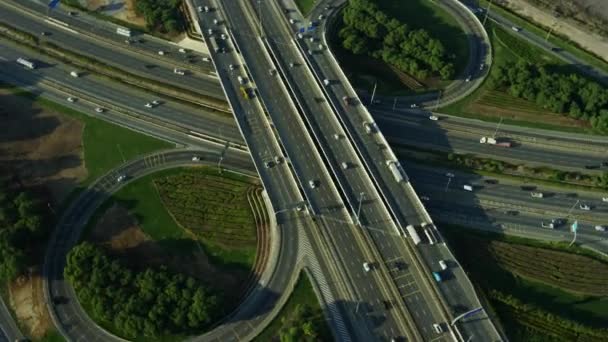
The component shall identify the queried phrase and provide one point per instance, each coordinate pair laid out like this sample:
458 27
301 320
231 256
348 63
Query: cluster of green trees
148 303
162 15
22 223
567 94
300 325
368 30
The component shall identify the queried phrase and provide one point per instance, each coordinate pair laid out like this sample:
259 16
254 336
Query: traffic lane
365 286
320 116
299 80
426 178
290 131
193 81
106 30
201 119
586 144
260 60
428 135
540 42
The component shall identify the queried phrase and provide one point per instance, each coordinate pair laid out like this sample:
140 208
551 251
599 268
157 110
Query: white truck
123 31
413 234
396 170
493 141
26 63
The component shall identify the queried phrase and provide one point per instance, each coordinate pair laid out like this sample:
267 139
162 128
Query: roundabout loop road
71 320
480 52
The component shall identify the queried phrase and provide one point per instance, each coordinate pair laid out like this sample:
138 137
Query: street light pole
497 126
373 93
448 184
487 13
361 194
550 30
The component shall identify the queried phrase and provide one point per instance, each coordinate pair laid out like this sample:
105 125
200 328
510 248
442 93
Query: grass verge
305 6
302 296
579 316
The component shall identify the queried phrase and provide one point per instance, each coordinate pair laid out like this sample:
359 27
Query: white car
604 199
231 67
156 102
537 194
149 105
337 136
312 184
292 21
585 206
207 9
413 105
344 165
433 118
161 52
600 228
425 198
468 187
366 267
223 36
437 328
121 178
179 71
468 79
71 99
215 21
516 29
99 110
182 50
443 265
196 158
278 159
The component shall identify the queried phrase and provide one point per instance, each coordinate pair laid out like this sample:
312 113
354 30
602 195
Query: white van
468 187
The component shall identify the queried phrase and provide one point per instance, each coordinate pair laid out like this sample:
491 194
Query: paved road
129 58
76 325
458 135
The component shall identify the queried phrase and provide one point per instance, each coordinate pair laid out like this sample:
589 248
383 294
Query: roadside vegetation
409 55
139 303
300 319
567 94
161 15
24 224
186 223
541 292
305 6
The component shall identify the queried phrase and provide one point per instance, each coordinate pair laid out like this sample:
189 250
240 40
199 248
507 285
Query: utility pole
487 13
551 30
373 93
448 184
497 126
437 101
361 194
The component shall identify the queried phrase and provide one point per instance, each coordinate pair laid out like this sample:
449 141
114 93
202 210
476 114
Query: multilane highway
459 135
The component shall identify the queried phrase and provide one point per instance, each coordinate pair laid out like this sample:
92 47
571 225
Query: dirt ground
118 233
590 41
31 310
120 9
44 149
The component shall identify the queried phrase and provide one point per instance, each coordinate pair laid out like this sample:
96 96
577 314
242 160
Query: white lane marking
61 25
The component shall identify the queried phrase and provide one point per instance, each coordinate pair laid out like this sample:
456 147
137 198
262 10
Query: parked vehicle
537 194
437 277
